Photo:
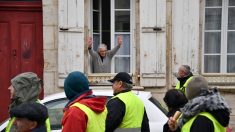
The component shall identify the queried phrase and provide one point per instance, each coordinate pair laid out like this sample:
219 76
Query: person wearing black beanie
174 99
30 116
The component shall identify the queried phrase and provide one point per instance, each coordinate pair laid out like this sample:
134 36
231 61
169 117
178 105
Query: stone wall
50 46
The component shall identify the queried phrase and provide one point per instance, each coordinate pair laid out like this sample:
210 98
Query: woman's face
102 52
12 92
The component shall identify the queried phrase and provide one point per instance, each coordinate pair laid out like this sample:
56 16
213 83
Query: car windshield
55 110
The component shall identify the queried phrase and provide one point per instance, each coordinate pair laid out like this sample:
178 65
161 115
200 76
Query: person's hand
89 42
172 124
119 40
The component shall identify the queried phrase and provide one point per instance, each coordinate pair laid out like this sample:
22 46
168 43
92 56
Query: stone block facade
50 46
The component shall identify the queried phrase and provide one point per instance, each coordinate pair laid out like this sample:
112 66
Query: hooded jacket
208 101
27 88
74 116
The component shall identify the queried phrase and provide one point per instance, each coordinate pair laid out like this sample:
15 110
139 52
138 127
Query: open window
111 18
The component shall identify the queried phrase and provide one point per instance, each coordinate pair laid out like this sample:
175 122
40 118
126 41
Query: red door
21 46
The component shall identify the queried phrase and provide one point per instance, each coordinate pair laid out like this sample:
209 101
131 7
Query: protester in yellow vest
126 111
25 87
30 117
206 110
184 75
84 112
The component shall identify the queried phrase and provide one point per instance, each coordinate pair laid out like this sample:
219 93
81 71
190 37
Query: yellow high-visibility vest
182 89
96 121
133 117
217 126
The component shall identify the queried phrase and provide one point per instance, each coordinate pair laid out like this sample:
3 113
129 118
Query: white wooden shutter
152 43
71 38
185 33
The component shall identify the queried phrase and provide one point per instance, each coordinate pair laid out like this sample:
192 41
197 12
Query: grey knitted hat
196 86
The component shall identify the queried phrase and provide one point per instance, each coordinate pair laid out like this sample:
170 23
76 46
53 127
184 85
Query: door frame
21 6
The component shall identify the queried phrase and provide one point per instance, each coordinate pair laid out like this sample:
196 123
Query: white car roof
141 94
156 117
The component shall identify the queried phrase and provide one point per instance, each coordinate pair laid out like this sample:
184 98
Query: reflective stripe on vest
127 130
182 89
48 125
134 110
9 125
217 126
96 121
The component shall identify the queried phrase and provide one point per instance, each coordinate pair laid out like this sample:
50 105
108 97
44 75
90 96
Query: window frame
132 54
100 21
131 33
224 34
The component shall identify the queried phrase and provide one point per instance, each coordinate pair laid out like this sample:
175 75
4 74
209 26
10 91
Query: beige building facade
160 35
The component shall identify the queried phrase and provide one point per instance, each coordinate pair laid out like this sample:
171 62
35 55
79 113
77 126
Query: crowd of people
202 108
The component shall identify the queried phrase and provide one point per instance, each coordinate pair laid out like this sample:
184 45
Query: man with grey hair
206 110
101 60
184 75
126 111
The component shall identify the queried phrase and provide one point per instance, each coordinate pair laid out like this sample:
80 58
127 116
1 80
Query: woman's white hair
103 46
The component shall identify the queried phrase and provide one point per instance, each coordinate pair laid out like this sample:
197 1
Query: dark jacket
116 114
41 128
203 124
166 126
